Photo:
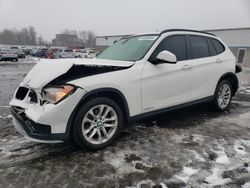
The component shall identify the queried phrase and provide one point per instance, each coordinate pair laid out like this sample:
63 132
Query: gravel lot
192 147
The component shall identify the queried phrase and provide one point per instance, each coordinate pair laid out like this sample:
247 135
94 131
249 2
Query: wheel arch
112 93
232 78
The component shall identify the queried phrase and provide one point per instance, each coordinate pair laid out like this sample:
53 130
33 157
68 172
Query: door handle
218 61
186 67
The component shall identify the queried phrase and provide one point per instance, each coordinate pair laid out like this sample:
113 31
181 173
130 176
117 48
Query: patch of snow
198 138
6 117
9 147
186 173
142 182
222 157
244 90
117 160
4 106
239 148
246 185
246 142
145 182
197 156
248 169
216 178
163 185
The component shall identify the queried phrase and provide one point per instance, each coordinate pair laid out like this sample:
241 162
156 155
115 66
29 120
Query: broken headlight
55 94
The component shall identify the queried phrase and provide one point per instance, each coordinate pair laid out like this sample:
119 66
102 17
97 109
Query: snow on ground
186 148
186 174
222 157
244 90
239 148
6 117
246 185
216 178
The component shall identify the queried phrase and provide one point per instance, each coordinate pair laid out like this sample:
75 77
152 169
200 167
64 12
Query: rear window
218 46
199 47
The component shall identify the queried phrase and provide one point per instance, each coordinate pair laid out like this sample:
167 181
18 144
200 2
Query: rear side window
218 46
175 44
198 47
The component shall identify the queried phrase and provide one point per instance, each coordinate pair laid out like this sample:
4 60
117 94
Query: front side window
131 48
175 44
198 47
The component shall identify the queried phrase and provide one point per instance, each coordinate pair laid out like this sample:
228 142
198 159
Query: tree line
29 36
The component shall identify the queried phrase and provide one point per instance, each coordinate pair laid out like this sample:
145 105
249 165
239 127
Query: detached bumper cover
35 131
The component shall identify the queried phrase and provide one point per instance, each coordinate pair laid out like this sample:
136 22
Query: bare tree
32 35
19 37
41 41
8 37
90 39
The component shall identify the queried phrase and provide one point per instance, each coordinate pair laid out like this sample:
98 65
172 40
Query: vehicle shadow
183 118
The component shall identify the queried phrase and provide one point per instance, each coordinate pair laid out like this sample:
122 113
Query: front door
165 84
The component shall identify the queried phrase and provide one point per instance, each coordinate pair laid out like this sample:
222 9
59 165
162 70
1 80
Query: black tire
215 104
77 126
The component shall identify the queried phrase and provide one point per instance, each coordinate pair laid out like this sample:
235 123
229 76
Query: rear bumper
35 131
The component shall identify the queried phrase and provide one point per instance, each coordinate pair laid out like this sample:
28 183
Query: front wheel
97 123
223 96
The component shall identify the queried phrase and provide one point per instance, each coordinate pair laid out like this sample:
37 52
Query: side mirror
167 57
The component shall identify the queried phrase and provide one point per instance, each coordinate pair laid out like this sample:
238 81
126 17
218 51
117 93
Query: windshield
131 48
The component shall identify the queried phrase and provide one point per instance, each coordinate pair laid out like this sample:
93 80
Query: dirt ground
192 147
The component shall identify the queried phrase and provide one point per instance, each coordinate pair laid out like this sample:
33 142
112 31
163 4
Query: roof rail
170 30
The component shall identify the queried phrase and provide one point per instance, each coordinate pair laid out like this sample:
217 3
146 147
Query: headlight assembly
55 94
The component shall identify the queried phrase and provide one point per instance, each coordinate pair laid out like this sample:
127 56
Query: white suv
89 100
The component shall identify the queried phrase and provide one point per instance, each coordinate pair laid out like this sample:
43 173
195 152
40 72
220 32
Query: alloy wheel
99 124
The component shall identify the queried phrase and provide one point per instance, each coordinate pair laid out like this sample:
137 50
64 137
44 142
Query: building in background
65 40
238 39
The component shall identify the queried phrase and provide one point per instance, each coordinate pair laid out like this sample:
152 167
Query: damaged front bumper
34 131
45 123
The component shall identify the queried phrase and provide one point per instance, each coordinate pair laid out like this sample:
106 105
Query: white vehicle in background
8 54
78 53
91 100
88 53
64 53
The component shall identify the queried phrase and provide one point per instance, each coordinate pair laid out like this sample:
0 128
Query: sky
115 17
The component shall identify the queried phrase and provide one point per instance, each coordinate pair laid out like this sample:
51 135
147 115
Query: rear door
205 64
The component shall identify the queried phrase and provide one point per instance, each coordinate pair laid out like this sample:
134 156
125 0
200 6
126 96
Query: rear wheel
223 96
97 123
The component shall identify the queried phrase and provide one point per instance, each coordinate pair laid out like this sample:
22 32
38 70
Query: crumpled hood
47 70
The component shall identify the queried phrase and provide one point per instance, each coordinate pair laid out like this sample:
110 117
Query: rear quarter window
218 46
212 50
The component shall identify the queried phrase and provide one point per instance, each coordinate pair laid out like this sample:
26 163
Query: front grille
33 96
22 93
26 93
